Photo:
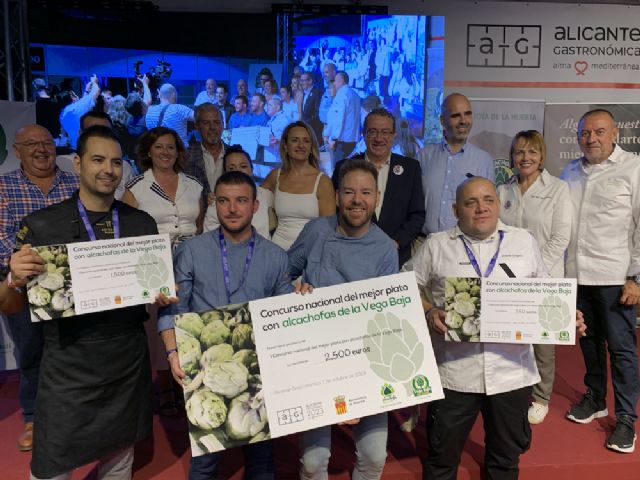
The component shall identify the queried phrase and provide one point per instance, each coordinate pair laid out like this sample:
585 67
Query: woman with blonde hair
301 191
536 200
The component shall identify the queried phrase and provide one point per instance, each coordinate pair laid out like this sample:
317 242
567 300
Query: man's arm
283 282
415 215
297 254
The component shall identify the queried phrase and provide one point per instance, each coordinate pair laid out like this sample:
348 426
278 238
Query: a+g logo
503 46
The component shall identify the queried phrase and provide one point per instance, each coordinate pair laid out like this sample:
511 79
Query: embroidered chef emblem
398 169
508 204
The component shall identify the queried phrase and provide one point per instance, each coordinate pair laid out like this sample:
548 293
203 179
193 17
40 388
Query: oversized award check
511 310
291 363
88 277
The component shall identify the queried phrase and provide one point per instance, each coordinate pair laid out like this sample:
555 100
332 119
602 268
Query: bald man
38 183
448 163
169 113
494 379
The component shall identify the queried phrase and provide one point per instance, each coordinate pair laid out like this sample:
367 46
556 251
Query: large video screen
383 56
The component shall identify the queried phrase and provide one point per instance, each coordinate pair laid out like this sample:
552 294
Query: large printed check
336 354
102 275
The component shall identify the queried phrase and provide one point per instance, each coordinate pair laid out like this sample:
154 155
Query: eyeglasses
374 132
33 145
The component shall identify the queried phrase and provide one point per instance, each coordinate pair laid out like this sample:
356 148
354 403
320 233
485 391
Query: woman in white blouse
174 200
536 200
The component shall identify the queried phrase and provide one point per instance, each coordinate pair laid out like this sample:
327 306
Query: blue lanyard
474 262
225 262
115 220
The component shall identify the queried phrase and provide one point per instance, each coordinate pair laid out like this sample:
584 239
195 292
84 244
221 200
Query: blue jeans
258 463
371 450
28 339
612 325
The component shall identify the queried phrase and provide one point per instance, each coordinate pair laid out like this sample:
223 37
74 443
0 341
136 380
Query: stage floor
561 450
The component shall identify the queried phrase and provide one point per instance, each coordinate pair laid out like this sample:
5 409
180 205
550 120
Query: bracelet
11 284
170 351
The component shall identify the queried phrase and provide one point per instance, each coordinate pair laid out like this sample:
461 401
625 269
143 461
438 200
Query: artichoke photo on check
206 410
190 322
62 300
226 378
151 271
395 352
214 333
39 296
216 354
190 351
462 307
242 337
247 417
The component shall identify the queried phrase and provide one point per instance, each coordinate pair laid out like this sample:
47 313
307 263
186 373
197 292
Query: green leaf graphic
151 272
395 352
554 313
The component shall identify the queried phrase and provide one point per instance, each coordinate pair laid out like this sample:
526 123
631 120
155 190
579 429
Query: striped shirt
19 196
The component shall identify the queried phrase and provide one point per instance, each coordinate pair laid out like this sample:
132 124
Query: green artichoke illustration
151 272
554 314
395 353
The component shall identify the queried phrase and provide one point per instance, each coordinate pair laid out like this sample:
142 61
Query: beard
235 229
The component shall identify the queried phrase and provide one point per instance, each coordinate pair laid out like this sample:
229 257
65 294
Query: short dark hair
262 98
206 107
224 87
344 75
97 131
236 177
146 141
243 98
381 112
352 164
95 114
234 149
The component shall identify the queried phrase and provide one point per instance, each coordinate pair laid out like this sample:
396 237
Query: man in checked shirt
36 184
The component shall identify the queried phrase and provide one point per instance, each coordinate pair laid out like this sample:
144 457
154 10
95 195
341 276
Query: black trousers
507 432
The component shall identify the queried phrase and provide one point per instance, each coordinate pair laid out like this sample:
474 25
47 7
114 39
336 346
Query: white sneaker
537 413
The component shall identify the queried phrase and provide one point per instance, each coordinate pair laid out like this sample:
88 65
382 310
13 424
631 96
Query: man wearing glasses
38 183
400 211
446 164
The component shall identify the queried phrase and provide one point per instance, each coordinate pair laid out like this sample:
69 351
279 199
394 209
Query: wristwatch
634 278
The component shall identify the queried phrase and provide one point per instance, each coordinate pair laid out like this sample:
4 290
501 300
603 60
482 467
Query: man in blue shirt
447 164
343 119
240 118
198 266
259 117
339 249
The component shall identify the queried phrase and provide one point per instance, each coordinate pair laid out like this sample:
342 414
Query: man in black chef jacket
94 401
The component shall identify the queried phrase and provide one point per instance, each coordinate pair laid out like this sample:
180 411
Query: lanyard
474 262
225 262
115 219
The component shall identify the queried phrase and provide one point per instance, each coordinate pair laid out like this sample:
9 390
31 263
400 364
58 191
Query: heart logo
581 66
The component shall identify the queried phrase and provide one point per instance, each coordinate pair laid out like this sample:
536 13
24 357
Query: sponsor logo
388 393
164 290
563 335
518 335
146 294
503 46
117 300
341 405
420 385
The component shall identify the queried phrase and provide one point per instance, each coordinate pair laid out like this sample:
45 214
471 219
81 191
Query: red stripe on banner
464 83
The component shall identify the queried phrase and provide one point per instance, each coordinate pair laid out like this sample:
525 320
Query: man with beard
36 184
231 264
259 117
208 95
94 390
204 159
241 117
338 249
400 212
447 164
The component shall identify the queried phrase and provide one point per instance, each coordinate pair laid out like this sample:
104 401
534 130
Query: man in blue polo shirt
206 281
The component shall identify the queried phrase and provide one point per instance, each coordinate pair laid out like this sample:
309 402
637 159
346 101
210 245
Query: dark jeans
507 432
28 341
258 463
612 325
